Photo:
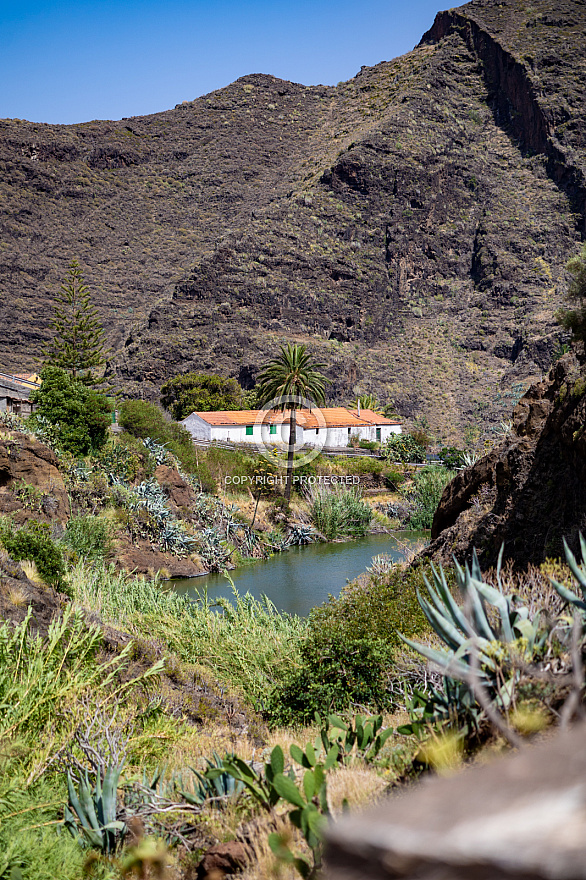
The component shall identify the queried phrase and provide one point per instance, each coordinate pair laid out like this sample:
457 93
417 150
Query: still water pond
303 577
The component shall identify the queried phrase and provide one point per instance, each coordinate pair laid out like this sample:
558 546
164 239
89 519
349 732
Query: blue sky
65 62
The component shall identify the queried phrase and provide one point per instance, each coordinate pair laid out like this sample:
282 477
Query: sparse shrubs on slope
575 319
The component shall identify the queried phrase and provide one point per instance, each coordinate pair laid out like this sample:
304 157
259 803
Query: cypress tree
77 345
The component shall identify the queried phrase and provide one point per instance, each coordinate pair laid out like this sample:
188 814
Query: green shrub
368 444
358 465
451 457
77 417
428 486
336 674
34 541
143 419
403 447
89 537
374 607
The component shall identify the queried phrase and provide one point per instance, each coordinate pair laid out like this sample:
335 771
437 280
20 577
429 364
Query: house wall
336 437
339 437
198 429
234 433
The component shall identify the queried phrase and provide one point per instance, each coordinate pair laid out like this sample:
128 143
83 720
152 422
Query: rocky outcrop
30 482
519 73
530 491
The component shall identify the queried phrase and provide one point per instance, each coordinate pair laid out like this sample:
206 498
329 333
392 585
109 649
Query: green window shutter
249 429
273 429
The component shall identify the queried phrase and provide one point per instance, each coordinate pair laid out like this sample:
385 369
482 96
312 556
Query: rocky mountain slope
530 491
410 225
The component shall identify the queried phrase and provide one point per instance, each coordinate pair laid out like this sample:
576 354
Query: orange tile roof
369 415
235 417
333 417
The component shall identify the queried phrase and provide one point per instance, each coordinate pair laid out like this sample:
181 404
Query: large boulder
520 817
530 491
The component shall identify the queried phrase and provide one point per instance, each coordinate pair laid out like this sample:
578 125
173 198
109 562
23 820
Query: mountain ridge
411 225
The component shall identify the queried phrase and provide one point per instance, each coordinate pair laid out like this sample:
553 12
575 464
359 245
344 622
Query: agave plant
159 451
380 564
300 535
484 636
91 815
217 787
470 458
214 555
579 572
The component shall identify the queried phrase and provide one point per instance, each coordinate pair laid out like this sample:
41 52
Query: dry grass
265 866
533 586
285 736
16 595
359 786
198 743
29 568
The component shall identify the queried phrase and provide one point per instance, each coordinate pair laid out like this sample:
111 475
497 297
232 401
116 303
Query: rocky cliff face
410 226
529 492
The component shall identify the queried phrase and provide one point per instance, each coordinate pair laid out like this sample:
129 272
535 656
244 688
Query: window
249 430
349 430
273 429
317 430
378 433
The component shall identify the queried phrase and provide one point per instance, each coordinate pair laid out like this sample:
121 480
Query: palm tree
367 401
291 375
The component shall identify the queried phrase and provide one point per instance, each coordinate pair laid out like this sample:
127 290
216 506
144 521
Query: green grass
247 646
48 686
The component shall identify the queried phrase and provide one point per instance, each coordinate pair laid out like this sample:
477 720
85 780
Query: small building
15 391
321 426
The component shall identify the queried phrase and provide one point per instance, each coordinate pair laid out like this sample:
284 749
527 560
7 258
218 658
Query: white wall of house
196 426
336 437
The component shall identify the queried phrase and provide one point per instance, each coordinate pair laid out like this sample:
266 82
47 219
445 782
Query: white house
327 426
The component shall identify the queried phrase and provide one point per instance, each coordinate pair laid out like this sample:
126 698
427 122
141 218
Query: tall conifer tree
77 345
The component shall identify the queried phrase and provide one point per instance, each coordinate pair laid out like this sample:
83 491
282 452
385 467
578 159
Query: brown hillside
410 225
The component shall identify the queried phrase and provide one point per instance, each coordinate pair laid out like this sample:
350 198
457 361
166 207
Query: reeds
246 643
